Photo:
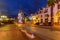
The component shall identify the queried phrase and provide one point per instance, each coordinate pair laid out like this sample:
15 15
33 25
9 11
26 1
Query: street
12 32
29 19
46 34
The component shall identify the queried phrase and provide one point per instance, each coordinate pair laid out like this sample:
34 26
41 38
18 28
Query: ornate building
20 17
56 12
45 13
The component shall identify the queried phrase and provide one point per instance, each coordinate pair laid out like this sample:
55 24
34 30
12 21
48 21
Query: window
41 20
46 10
41 15
46 15
46 20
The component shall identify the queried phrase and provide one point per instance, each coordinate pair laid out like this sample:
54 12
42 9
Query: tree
51 3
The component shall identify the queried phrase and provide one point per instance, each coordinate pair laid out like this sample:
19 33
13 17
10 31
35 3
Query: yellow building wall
56 16
55 19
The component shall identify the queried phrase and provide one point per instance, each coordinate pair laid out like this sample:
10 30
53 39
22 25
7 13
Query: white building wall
55 10
43 17
49 12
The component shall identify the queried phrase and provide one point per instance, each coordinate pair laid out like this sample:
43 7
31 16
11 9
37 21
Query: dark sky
11 7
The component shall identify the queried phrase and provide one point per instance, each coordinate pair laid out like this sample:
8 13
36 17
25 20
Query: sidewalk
46 34
54 27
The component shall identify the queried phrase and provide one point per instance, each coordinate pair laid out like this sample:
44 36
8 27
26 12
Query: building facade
20 17
45 13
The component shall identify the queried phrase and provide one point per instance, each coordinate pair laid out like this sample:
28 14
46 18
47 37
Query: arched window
46 10
46 15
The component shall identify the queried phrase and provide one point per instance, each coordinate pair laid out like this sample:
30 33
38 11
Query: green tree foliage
50 2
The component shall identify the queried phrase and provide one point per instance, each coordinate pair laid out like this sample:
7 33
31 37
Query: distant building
20 17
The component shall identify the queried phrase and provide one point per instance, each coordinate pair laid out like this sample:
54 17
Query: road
46 34
12 32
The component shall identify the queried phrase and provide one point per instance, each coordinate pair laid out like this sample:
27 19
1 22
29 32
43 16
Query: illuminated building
45 13
20 17
57 13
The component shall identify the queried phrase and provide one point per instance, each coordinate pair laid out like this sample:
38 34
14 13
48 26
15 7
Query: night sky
11 7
